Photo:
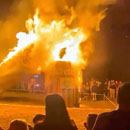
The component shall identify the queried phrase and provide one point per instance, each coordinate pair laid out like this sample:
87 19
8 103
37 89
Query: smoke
12 21
86 14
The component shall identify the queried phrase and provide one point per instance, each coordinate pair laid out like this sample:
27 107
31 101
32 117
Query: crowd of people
95 88
57 117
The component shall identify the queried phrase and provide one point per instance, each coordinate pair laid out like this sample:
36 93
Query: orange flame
71 44
63 40
24 39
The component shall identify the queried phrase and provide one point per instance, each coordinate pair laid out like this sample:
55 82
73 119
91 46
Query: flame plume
62 30
58 37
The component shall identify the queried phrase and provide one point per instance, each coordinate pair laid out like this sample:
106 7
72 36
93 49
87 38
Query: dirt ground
11 112
15 105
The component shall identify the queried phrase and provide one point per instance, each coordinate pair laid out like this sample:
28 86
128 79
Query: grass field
25 106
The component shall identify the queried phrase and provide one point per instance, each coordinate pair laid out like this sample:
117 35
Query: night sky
113 41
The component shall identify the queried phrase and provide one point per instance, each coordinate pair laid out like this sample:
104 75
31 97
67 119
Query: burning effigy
58 47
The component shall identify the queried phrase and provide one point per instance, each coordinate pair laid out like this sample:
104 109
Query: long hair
56 112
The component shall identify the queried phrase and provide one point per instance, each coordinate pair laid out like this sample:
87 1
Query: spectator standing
94 91
87 88
88 91
117 87
106 90
100 91
120 83
112 89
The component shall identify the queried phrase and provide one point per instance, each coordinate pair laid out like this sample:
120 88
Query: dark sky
114 39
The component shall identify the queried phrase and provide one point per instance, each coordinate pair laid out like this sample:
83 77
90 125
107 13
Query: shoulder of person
106 115
103 120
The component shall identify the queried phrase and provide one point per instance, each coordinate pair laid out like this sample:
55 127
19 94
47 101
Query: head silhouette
123 97
56 112
38 118
18 125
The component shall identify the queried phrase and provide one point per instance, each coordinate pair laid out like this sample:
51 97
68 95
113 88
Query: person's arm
100 123
74 125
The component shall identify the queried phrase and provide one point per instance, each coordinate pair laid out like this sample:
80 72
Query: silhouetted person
94 91
112 89
90 121
57 117
120 118
39 118
18 125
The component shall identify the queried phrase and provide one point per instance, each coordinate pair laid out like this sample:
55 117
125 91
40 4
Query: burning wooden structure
61 78
54 46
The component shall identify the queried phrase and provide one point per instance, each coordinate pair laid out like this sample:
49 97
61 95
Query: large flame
24 39
70 47
63 43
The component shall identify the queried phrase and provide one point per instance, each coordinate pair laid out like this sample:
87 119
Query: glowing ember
62 42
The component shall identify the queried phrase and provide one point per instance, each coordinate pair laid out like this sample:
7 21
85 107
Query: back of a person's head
56 112
18 125
38 118
55 101
123 97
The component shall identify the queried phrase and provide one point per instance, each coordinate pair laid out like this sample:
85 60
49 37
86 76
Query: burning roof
54 33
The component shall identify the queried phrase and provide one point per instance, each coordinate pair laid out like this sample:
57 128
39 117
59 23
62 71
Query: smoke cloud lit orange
56 33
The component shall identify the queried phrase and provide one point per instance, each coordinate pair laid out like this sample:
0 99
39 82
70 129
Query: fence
83 96
27 91
88 96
